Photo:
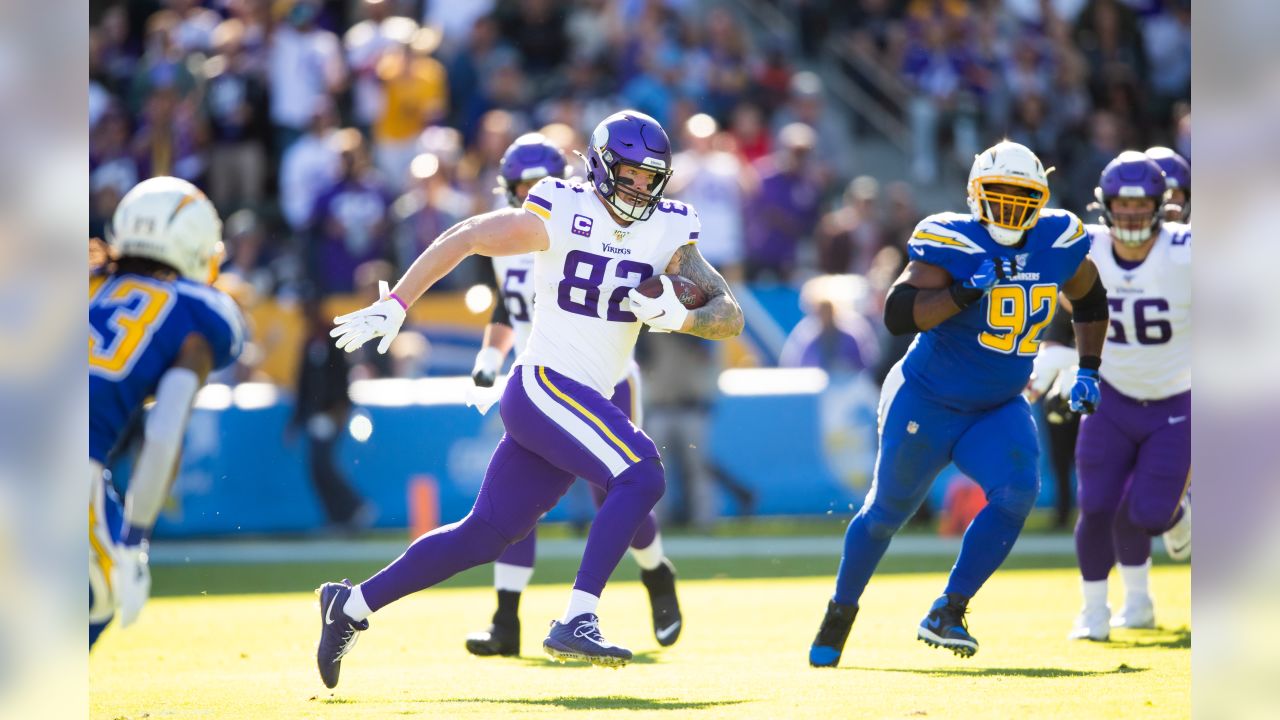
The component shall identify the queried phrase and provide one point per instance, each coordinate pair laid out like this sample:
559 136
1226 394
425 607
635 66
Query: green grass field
742 654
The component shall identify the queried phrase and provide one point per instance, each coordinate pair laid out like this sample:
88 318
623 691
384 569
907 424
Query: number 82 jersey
981 357
581 324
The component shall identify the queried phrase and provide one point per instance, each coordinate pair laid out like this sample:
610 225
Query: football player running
156 328
593 244
529 159
979 289
1133 458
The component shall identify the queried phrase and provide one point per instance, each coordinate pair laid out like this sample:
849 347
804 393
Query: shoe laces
954 614
349 637
589 629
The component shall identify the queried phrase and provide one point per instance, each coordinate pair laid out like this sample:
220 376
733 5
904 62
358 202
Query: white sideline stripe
287 551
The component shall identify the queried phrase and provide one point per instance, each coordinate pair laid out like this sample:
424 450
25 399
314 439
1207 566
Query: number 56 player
593 244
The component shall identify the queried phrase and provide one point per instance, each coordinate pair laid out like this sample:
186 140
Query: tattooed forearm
721 317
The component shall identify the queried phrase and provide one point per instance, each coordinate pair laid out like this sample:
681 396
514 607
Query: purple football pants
1133 463
557 430
522 553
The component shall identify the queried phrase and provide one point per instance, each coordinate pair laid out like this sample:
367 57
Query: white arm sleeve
166 424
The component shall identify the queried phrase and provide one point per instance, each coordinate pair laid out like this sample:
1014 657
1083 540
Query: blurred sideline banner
806 446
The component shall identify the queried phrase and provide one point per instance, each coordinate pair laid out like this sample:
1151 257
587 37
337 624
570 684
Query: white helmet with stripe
1008 215
169 220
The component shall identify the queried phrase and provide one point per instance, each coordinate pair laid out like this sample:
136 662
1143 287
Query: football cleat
580 639
1177 539
1093 623
1136 613
945 626
131 578
661 584
832 633
338 632
502 638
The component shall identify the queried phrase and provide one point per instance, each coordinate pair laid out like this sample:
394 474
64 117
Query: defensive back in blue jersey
137 325
981 357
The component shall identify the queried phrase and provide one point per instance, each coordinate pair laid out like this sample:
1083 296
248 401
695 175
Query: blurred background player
1133 457
1176 206
593 245
156 328
956 396
529 159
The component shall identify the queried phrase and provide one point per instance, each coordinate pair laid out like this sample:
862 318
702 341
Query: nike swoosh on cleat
667 631
328 614
933 623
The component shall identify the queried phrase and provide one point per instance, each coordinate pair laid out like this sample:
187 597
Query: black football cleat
338 632
945 626
500 639
829 643
661 584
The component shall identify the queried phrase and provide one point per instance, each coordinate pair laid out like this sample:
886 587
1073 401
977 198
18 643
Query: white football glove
1049 363
664 313
488 363
381 319
131 581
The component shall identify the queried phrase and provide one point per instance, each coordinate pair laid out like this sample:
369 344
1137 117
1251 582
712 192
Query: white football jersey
1147 355
582 327
514 274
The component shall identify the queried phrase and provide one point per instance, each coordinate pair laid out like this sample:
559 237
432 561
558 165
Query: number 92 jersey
1148 351
581 324
981 357
137 325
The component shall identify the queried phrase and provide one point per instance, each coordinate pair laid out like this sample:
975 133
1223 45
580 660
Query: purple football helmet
636 140
1131 175
530 158
1177 175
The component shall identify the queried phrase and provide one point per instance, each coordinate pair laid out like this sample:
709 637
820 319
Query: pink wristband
403 304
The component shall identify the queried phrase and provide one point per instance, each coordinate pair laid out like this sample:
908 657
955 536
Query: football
691 296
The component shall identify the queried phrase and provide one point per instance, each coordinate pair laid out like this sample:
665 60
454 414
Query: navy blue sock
986 544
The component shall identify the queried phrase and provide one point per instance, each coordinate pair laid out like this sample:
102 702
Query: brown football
691 296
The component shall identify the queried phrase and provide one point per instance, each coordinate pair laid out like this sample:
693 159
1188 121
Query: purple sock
627 505
1094 548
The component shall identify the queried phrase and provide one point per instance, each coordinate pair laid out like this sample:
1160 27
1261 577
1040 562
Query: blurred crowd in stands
338 137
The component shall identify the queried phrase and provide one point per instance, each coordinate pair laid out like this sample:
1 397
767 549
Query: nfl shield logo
1021 259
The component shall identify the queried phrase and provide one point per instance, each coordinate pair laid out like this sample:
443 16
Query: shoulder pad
1068 228
943 231
217 317
541 196
1179 234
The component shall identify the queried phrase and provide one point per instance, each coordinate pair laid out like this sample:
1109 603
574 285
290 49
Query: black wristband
963 296
1090 362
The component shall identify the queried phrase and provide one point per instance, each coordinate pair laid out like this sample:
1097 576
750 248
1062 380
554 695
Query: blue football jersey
981 357
137 324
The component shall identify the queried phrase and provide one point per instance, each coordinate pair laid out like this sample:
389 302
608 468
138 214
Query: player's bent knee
645 481
881 522
483 541
1016 497
1154 520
